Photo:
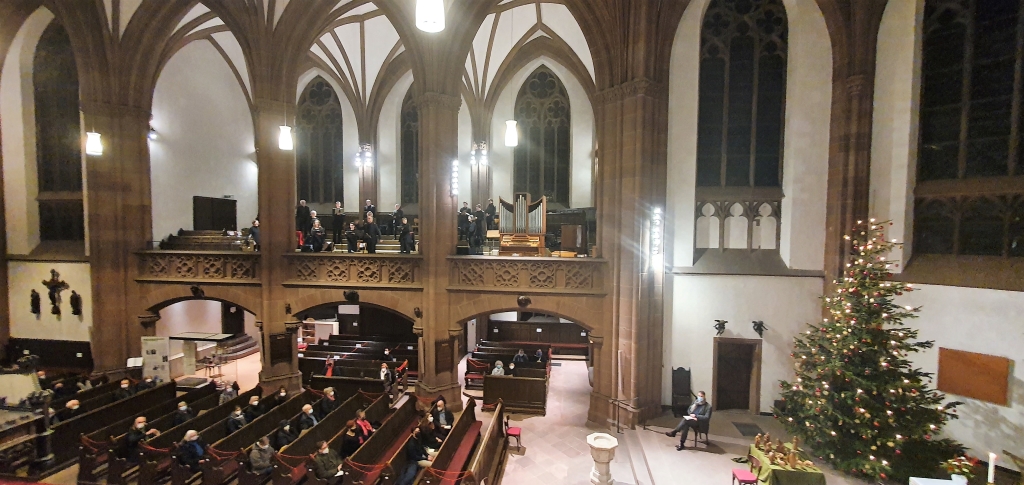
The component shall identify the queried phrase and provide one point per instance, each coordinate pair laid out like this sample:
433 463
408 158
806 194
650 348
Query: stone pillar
602 450
276 181
439 128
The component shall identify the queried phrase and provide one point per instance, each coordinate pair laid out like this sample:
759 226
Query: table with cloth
779 475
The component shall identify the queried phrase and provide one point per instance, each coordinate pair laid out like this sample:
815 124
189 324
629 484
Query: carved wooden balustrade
221 267
584 276
354 270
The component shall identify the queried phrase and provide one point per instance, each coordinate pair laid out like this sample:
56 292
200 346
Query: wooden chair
513 432
702 428
746 477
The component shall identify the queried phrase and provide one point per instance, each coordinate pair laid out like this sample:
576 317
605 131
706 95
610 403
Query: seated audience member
44 383
147 383
253 410
699 412
308 418
499 369
511 371
388 357
429 436
363 427
328 403
183 414
328 464
62 391
349 440
54 418
137 434
285 435
260 457
84 384
125 391
443 418
72 409
228 393
520 357
278 399
352 237
191 451
539 356
416 457
236 421
329 367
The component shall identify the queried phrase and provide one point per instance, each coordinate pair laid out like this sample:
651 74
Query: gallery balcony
215 267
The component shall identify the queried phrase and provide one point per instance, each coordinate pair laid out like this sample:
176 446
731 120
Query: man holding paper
700 411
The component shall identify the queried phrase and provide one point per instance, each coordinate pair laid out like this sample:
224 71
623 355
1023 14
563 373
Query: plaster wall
196 316
25 276
205 144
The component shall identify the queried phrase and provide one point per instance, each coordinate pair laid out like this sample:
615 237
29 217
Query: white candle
991 468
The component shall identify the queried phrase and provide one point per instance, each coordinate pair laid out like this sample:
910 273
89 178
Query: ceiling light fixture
430 15
284 140
93 144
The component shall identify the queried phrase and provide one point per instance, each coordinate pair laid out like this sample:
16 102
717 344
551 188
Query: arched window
742 94
410 151
318 149
541 160
968 196
58 137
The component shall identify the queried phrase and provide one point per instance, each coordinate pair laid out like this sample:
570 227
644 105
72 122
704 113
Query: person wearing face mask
328 464
308 419
236 420
183 414
147 383
520 357
429 437
253 410
511 371
386 377
228 393
416 457
327 404
125 391
72 409
285 435
137 434
44 383
388 357
54 418
349 440
329 367
499 369
191 451
260 457
539 356
363 427
278 399
443 418
699 412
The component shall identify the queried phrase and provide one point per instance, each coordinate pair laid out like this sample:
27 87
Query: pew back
455 452
520 394
486 463
364 466
160 411
347 386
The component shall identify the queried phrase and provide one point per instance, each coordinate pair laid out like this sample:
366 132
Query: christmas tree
857 400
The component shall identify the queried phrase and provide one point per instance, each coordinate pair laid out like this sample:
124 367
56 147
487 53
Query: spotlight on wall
93 144
284 140
455 178
657 231
479 154
511 134
364 159
430 15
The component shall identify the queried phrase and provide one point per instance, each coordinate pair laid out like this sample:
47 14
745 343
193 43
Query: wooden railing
354 270
527 275
199 266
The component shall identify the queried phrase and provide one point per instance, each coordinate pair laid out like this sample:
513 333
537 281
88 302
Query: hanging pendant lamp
511 134
93 144
430 15
284 140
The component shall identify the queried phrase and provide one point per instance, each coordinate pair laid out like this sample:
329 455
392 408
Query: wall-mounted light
511 134
284 140
657 231
455 178
430 15
93 144
364 159
479 154
152 135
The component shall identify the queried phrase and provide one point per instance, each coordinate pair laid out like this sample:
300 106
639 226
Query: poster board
155 353
978 376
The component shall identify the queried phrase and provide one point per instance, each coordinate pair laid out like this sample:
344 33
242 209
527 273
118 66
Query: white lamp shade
511 134
93 144
284 140
430 15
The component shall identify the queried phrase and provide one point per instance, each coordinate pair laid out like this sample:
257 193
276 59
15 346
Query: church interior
512 241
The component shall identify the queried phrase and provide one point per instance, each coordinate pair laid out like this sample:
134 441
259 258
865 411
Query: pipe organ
522 225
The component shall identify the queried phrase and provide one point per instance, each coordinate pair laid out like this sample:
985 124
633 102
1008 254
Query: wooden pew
101 385
347 386
155 456
222 464
557 348
368 463
454 454
66 434
488 460
520 394
95 448
477 366
376 412
310 366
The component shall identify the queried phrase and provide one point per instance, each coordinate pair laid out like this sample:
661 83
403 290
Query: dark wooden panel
444 356
520 394
281 345
214 214
979 376
67 354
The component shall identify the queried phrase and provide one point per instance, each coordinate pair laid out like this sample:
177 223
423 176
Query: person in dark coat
44 383
699 412
138 433
254 234
539 356
303 217
260 457
183 414
473 236
490 211
352 237
191 451
371 234
308 418
464 214
253 410
443 418
285 435
327 404
72 409
369 208
480 218
327 464
429 437
337 222
349 440
236 421
317 237
406 239
416 457
125 391
396 219
277 399
146 384
520 357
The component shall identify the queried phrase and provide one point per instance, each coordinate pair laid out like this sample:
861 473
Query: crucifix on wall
55 285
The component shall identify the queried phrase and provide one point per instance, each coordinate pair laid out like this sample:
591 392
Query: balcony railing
527 275
354 270
221 267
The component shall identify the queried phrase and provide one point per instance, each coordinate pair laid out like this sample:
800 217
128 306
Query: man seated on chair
699 412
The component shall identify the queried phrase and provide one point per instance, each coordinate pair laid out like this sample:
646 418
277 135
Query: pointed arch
410 150
541 161
319 149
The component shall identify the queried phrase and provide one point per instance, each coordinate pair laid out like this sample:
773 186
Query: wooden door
737 376
214 214
232 319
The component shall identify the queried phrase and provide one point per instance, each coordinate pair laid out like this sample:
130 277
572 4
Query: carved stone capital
855 84
292 327
418 330
148 319
455 332
630 89
596 340
439 100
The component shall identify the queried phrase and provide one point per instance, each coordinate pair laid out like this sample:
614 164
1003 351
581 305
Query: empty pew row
393 339
373 460
453 457
368 352
154 457
377 411
360 359
488 459
520 394
310 366
95 448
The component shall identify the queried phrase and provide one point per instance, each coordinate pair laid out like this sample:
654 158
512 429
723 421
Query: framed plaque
281 345
444 356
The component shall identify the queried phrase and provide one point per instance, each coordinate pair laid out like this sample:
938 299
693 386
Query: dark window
541 160
319 153
968 196
742 94
410 151
58 137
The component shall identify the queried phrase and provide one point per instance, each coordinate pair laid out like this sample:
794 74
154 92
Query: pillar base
452 394
292 382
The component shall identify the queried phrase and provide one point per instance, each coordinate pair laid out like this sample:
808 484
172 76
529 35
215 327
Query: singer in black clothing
371 234
490 211
369 208
396 219
406 239
352 237
337 222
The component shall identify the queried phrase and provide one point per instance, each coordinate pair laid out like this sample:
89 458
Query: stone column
439 128
276 182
